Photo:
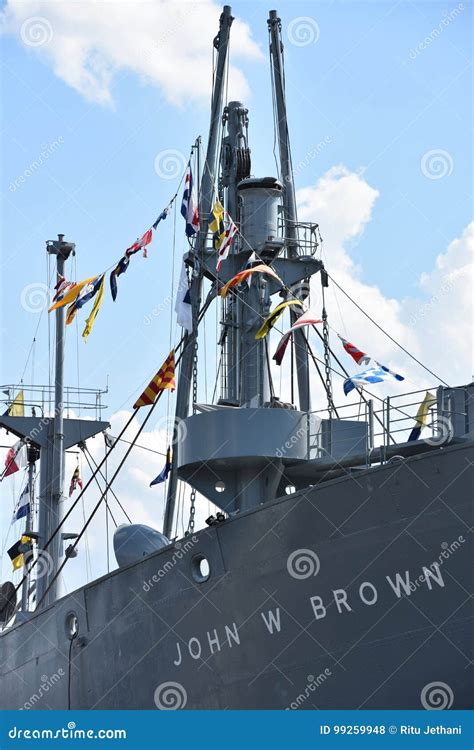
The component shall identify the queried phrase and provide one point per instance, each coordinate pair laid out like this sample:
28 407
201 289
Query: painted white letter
272 620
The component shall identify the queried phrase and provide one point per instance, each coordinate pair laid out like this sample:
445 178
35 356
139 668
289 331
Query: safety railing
392 422
308 235
39 400
351 431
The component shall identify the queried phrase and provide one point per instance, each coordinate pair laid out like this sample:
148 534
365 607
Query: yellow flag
273 317
71 295
93 314
216 226
16 553
17 407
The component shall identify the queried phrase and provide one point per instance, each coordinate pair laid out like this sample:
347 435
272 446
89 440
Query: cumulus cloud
443 316
434 325
164 42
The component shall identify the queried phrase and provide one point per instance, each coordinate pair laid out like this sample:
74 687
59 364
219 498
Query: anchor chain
192 512
327 361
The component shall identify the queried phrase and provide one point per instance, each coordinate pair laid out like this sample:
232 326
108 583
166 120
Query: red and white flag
226 243
17 458
360 357
62 287
308 318
140 244
76 481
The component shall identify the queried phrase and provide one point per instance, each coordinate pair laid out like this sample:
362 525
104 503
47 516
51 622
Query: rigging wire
269 370
107 508
217 377
387 334
86 544
143 447
288 290
89 455
182 343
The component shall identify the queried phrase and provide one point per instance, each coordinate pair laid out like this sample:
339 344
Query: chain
195 374
192 512
192 508
327 361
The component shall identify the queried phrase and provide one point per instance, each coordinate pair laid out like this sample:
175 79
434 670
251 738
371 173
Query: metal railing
38 400
324 441
391 422
309 238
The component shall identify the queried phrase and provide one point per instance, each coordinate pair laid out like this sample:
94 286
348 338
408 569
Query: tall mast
32 457
221 43
52 458
289 201
235 166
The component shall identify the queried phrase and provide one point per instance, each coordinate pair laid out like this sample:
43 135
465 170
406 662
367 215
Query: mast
52 458
235 166
289 201
32 457
221 43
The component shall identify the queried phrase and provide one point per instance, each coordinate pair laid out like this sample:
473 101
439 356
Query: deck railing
38 400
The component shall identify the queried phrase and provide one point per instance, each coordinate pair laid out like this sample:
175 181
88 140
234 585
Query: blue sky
357 86
363 85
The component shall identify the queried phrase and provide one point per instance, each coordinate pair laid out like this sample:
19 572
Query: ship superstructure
336 566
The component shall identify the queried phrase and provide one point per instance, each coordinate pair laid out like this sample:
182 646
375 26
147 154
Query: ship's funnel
260 199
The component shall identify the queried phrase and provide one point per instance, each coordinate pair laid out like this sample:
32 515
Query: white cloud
165 42
434 326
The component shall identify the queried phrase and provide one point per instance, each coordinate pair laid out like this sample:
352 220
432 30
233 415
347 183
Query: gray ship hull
351 594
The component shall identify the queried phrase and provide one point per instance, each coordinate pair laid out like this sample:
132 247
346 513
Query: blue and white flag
162 216
163 475
189 209
371 375
183 306
23 505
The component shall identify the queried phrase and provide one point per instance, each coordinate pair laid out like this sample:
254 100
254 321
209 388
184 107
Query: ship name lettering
401 585
194 646
273 621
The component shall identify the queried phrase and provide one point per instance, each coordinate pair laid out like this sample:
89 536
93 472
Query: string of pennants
223 229
77 294
377 373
